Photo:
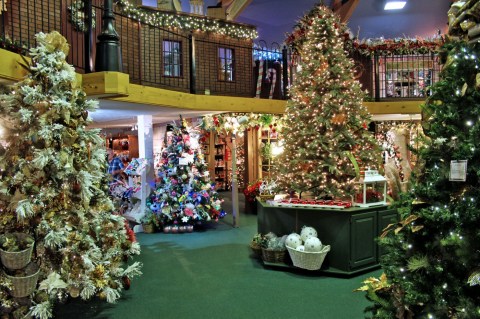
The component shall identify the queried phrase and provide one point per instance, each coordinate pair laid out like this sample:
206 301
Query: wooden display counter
351 232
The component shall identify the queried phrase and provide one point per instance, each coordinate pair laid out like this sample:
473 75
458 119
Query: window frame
225 73
174 66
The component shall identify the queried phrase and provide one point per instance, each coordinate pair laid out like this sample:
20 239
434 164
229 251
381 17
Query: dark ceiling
422 18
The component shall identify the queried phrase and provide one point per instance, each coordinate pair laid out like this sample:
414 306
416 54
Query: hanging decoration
77 16
239 122
187 22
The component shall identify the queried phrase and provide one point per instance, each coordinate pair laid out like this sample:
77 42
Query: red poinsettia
252 191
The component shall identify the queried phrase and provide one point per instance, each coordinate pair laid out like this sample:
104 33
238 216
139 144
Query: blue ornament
222 213
155 207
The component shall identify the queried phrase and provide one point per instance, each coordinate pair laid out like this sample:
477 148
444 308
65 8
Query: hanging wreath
77 16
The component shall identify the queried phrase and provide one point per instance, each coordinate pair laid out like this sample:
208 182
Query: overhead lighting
394 5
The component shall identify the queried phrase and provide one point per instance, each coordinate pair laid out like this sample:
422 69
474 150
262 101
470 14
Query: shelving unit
222 158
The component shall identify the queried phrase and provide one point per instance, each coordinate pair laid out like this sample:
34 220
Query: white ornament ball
308 232
293 240
313 244
301 248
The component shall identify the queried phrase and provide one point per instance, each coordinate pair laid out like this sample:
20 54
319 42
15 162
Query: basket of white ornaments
306 250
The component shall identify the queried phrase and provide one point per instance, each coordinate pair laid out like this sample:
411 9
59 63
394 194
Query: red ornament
364 125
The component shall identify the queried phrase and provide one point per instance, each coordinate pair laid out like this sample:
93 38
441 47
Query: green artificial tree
325 124
53 186
432 264
185 195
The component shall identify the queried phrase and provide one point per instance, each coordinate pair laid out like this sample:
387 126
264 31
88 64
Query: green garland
77 16
187 22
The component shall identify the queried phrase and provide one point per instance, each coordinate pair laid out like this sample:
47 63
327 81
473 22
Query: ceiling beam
236 7
344 8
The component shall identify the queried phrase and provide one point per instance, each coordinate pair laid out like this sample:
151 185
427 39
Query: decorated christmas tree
184 194
53 190
432 264
325 126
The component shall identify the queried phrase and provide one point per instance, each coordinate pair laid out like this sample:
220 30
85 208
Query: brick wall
141 47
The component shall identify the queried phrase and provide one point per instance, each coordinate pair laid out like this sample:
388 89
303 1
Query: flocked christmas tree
432 264
325 126
184 195
53 186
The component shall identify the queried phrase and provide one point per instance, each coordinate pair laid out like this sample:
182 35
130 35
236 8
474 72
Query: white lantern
371 190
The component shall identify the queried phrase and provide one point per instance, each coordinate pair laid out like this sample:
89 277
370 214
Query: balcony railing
195 64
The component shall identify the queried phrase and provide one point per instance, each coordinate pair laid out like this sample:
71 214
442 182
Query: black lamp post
109 54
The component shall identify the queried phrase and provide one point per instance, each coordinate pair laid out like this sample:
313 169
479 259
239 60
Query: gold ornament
74 291
339 119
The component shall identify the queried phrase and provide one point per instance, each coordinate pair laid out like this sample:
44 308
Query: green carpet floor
211 274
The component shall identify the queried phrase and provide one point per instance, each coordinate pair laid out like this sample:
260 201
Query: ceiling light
394 5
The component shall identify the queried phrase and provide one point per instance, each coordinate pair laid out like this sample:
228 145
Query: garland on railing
187 22
396 46
77 16
368 47
13 46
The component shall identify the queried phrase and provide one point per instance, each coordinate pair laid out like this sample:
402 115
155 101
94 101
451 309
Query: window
225 65
172 58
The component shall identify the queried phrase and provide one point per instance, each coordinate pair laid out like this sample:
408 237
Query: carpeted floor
212 274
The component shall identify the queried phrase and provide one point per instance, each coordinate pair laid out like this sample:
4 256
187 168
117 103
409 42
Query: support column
235 213
145 150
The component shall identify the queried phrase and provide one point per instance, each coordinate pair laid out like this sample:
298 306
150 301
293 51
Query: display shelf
221 160
325 270
351 232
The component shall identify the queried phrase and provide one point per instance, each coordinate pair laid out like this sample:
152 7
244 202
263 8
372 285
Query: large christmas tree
325 126
184 194
53 186
433 262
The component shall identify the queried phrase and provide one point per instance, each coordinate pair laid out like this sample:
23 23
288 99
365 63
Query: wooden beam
344 10
236 7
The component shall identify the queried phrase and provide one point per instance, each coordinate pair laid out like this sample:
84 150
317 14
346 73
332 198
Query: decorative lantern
371 190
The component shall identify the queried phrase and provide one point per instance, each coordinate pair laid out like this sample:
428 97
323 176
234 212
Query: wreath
77 16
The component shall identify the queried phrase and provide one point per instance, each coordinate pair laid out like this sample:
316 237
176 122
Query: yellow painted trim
166 98
116 86
394 107
106 84
10 68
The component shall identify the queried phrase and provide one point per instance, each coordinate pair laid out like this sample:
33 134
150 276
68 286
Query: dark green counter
350 232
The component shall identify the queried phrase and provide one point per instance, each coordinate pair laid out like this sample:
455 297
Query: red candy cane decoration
273 72
259 79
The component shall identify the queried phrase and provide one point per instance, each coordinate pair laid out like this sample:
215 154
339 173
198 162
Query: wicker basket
24 286
257 250
16 259
308 260
266 197
273 256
